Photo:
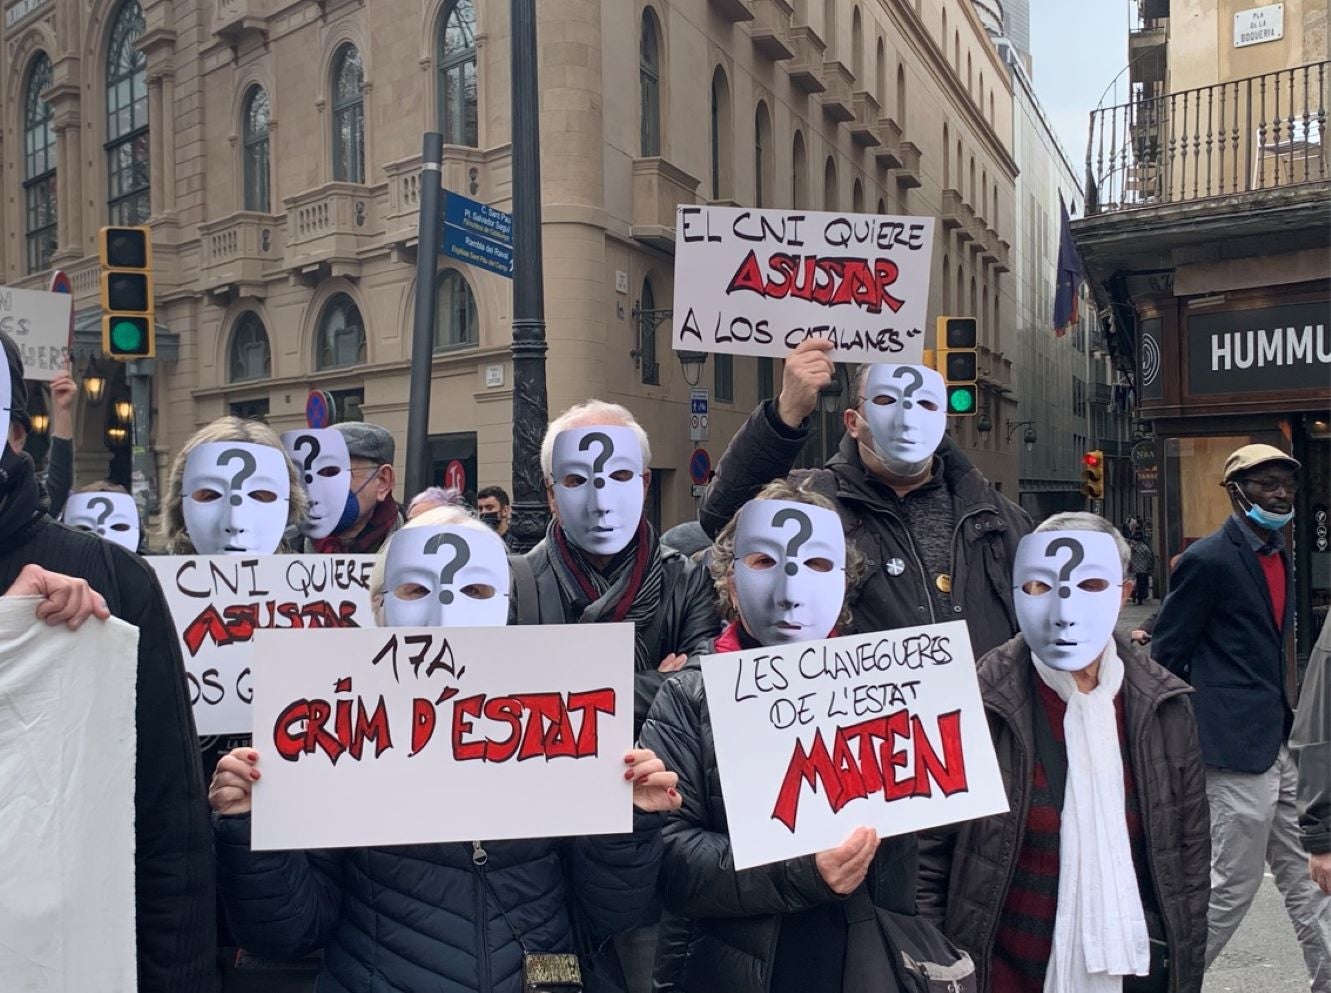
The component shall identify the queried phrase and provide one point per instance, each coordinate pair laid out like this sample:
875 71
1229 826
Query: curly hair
175 538
723 551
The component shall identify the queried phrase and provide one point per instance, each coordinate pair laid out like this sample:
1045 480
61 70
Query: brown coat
965 872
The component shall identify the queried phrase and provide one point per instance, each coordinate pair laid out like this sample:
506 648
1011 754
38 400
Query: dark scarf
20 497
630 589
372 536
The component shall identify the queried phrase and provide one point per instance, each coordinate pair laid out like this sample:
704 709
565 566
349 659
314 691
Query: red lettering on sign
830 281
530 725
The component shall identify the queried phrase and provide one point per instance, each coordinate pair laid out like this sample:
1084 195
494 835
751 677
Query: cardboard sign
218 602
398 736
759 282
882 730
67 830
39 324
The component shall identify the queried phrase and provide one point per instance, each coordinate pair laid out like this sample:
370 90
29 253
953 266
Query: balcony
953 216
658 189
402 212
864 126
733 11
239 252
907 174
888 152
838 106
233 20
806 68
327 228
1004 252
770 29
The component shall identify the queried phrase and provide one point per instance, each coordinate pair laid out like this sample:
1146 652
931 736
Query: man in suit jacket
1223 628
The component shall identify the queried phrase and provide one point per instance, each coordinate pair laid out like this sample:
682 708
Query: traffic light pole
143 482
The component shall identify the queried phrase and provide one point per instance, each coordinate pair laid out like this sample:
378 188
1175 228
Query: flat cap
368 441
1251 456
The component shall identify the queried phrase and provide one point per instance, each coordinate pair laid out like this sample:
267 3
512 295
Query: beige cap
1251 456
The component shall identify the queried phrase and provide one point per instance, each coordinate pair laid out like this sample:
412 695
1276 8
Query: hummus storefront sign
1270 350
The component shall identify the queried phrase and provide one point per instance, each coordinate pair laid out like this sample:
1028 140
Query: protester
173 864
938 536
688 539
1143 564
493 506
1096 878
60 456
107 510
450 918
1224 628
1310 741
376 515
431 498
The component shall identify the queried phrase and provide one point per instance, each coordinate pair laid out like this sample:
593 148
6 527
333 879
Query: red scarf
374 534
642 558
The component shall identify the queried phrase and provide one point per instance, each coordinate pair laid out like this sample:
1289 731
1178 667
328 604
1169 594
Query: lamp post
691 364
530 416
1028 437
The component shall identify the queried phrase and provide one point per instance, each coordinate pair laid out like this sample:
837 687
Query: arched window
829 25
857 46
984 195
882 206
975 304
649 81
721 127
256 150
341 337
901 97
829 185
942 38
959 300
799 174
39 192
947 287
980 102
880 74
947 162
647 324
991 106
457 75
956 49
455 324
970 199
969 78
250 356
763 156
348 116
857 197
127 119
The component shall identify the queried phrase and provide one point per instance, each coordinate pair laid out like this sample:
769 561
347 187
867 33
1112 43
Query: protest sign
39 324
218 601
398 736
759 282
67 813
817 738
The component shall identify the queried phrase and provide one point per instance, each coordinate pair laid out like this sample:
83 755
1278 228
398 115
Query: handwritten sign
759 282
39 324
218 602
397 736
882 730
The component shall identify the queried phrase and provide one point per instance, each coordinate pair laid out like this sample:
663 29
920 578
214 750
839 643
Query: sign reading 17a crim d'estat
759 282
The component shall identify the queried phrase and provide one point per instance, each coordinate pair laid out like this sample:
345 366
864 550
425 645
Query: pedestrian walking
1142 565
1310 742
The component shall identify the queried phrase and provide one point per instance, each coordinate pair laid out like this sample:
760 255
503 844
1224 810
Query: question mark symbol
909 391
598 464
1076 555
106 506
309 459
247 467
803 531
461 558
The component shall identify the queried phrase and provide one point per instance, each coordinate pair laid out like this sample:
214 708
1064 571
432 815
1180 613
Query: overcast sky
1078 47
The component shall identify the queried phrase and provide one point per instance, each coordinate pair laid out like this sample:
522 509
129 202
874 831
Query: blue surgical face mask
1263 518
351 509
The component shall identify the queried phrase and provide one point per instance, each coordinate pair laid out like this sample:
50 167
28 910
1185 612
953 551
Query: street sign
1147 480
1143 454
698 404
61 283
700 467
319 409
1321 535
477 234
455 476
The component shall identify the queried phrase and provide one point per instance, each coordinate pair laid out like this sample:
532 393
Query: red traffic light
1091 459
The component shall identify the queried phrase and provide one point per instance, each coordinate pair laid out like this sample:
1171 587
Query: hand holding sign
653 784
844 868
808 369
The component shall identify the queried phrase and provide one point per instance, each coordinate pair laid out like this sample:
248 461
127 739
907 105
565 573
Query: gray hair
586 414
1080 520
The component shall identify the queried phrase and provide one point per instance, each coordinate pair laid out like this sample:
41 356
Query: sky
1078 47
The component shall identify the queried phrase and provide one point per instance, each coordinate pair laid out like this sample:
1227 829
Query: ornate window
457 75
250 356
830 196
127 119
348 116
256 150
39 191
649 81
764 160
647 321
720 135
341 336
857 197
799 173
455 319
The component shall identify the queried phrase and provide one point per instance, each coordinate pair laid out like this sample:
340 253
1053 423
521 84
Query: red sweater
1273 566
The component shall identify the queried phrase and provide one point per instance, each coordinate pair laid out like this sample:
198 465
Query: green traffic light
127 336
960 399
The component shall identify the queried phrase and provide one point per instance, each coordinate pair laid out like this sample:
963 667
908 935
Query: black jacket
1311 743
985 533
173 857
1216 630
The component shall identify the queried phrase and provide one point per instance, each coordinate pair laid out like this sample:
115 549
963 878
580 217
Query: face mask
598 486
446 577
1259 516
113 516
325 472
1067 588
905 408
236 497
790 570
490 519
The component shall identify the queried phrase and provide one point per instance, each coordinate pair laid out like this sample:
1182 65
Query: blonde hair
175 539
451 515
585 414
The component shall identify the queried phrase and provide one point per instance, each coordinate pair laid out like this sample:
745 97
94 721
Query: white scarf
1099 928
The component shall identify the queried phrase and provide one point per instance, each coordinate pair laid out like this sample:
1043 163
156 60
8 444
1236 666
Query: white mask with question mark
598 486
235 497
113 516
790 570
1067 588
6 393
905 407
446 577
324 465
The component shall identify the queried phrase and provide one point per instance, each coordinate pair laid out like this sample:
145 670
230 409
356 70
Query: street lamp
984 423
94 383
1028 437
692 364
41 422
829 397
124 410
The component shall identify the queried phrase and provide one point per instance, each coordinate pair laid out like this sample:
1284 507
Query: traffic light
958 361
1093 474
128 323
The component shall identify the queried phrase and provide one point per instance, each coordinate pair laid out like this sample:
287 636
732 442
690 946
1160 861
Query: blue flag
1067 281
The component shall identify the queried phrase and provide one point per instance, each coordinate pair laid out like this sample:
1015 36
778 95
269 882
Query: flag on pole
1067 281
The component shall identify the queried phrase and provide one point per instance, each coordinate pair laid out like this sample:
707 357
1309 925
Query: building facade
274 149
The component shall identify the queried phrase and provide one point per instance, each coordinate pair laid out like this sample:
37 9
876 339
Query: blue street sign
700 466
477 234
319 409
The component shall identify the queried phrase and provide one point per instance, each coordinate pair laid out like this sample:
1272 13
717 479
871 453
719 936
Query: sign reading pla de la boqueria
1272 349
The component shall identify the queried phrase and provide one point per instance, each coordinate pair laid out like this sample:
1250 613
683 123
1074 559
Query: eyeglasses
1269 484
